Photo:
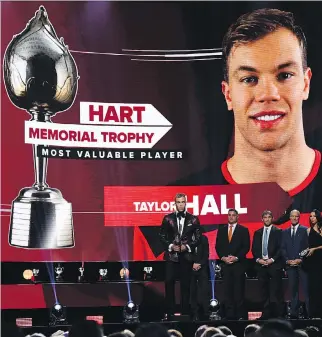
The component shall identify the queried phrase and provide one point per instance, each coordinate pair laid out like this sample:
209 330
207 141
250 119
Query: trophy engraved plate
40 76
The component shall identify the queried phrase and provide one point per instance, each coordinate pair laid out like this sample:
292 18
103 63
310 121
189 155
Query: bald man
294 241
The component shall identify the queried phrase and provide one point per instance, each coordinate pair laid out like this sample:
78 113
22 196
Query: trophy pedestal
41 219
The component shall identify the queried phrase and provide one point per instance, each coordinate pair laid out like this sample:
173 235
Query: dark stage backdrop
118 205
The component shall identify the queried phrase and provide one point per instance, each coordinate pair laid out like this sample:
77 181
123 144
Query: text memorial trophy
41 77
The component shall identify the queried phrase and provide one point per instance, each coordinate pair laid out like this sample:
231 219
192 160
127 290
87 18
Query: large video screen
100 130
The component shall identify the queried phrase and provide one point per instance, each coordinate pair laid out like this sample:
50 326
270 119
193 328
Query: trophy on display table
59 271
147 276
103 275
40 76
35 273
124 274
81 277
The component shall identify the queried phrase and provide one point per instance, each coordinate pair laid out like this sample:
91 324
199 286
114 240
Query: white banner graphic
120 137
121 126
121 114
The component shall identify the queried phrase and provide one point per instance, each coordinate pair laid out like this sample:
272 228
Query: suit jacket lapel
175 223
270 238
290 232
261 234
297 234
234 233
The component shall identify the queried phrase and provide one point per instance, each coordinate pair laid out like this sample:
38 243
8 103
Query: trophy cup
35 273
81 277
147 273
40 76
103 275
59 271
124 273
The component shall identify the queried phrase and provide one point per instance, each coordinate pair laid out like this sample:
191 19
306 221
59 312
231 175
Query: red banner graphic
146 205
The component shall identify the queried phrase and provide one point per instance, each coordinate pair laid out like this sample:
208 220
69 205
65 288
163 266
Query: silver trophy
174 256
81 276
103 275
147 273
40 76
217 270
59 271
35 273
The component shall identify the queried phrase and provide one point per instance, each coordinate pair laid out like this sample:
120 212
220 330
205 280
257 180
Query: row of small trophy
81 278
103 274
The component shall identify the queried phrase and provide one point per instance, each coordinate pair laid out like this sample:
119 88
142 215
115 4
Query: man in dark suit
266 250
180 235
200 279
232 246
294 241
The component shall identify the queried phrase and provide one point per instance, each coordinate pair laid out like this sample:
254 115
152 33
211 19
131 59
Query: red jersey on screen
304 184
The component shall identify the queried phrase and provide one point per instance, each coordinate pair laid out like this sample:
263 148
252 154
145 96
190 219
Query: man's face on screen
267 85
181 204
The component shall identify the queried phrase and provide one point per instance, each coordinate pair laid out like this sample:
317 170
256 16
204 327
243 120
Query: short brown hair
267 212
180 195
255 25
233 210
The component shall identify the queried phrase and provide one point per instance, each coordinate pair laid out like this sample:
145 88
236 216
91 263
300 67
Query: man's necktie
230 232
265 243
293 234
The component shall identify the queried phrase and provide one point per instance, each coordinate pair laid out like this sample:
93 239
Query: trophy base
41 219
81 279
103 280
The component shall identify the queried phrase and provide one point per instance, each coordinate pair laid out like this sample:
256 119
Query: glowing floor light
58 315
214 308
131 313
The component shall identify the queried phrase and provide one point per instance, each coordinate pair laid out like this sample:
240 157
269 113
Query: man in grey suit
294 241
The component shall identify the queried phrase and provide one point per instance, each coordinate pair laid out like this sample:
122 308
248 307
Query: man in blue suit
294 241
